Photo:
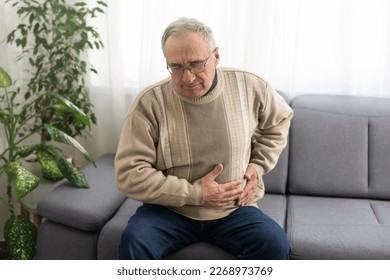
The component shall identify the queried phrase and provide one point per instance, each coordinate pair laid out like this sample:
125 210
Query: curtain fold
298 46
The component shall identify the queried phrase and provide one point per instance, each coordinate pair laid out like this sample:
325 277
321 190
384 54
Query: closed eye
176 66
196 63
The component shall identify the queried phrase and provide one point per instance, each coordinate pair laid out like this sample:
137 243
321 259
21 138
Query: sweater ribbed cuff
258 168
196 194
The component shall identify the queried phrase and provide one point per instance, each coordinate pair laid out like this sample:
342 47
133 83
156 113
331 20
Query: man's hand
249 192
215 194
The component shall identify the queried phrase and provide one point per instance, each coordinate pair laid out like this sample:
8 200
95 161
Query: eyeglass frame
190 68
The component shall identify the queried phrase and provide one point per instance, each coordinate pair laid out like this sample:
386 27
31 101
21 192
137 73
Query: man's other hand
249 192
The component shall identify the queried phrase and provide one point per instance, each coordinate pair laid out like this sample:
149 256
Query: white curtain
298 46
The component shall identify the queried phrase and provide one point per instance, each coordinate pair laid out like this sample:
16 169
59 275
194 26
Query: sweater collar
214 91
215 81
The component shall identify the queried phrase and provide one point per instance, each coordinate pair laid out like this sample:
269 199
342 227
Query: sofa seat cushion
273 205
200 251
338 228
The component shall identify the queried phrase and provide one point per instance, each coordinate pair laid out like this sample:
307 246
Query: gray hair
184 25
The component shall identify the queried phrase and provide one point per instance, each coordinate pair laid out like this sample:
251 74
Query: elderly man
194 148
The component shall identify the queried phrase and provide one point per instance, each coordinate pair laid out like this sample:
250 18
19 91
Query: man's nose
188 77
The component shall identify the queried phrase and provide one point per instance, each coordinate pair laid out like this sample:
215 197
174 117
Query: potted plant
19 232
54 36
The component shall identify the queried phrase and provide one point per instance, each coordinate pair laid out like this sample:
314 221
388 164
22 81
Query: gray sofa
330 191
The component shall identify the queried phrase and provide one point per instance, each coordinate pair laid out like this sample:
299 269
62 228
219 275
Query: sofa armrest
85 209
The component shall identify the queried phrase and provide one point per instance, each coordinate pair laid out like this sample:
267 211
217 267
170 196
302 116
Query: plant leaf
20 235
61 137
5 79
68 170
23 180
79 115
25 150
50 170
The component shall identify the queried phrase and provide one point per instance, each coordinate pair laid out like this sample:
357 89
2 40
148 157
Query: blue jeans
247 233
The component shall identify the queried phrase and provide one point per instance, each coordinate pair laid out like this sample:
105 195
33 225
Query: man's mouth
191 86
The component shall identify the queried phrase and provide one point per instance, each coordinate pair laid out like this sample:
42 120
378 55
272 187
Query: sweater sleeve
270 138
136 173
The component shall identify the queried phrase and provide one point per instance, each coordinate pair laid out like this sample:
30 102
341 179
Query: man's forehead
184 60
190 47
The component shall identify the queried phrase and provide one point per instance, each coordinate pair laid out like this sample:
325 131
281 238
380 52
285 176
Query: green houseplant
19 232
54 36
53 102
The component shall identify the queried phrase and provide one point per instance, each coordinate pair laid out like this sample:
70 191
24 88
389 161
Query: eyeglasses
195 67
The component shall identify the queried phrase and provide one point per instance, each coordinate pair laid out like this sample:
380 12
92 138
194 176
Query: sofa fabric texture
330 191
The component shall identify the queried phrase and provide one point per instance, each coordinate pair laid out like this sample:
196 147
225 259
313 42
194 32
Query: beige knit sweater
168 141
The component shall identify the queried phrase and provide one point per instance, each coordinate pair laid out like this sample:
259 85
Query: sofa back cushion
340 146
276 180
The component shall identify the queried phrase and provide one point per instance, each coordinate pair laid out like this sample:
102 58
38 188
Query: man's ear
216 54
